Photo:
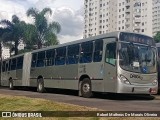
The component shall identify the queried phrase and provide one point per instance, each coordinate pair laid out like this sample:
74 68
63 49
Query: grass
18 103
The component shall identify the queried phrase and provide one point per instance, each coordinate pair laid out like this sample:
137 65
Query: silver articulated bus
158 62
117 62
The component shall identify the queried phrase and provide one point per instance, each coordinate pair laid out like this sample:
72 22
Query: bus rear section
16 71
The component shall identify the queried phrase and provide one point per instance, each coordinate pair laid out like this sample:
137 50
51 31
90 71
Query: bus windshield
137 58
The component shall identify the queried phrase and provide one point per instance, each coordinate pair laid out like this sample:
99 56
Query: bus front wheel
86 90
40 85
11 87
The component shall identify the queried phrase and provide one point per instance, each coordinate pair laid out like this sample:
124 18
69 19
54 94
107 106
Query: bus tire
40 85
86 89
11 87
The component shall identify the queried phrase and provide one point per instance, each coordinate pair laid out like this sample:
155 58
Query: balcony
127 10
137 14
127 16
128 4
137 20
137 27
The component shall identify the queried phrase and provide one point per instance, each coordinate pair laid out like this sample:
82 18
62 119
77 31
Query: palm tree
44 30
15 31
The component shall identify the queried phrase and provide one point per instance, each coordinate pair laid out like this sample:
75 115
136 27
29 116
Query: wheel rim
10 84
40 86
86 88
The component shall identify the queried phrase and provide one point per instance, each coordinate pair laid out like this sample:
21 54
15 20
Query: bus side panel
95 73
4 79
51 77
49 74
69 76
19 77
62 76
26 70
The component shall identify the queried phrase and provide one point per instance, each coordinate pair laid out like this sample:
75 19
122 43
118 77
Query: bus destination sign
137 38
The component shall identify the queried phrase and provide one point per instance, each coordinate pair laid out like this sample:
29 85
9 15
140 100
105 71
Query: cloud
70 20
69 38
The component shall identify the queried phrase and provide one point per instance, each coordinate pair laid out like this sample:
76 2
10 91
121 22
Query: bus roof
111 34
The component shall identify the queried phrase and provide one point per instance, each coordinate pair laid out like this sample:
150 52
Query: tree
45 32
15 31
157 37
30 37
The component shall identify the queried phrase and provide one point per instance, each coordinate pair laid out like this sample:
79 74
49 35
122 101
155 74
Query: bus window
34 59
13 64
73 54
3 66
9 66
60 56
158 53
19 62
40 59
111 53
98 51
50 57
86 52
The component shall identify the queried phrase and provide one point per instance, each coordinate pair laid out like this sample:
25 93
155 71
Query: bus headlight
124 80
155 82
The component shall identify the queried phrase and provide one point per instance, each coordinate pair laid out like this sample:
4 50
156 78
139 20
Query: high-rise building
139 16
5 52
156 16
102 16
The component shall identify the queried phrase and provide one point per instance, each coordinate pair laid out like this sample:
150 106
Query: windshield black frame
139 58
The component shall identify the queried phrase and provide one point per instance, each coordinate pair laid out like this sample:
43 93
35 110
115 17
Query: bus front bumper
137 89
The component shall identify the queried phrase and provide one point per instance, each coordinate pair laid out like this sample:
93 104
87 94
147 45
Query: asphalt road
109 102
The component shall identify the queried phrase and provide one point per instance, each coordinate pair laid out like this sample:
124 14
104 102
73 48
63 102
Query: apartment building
139 16
5 52
156 16
102 16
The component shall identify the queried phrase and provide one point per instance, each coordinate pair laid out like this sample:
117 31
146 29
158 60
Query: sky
69 13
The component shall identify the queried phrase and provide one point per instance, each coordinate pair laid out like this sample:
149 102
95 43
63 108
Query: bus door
110 71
